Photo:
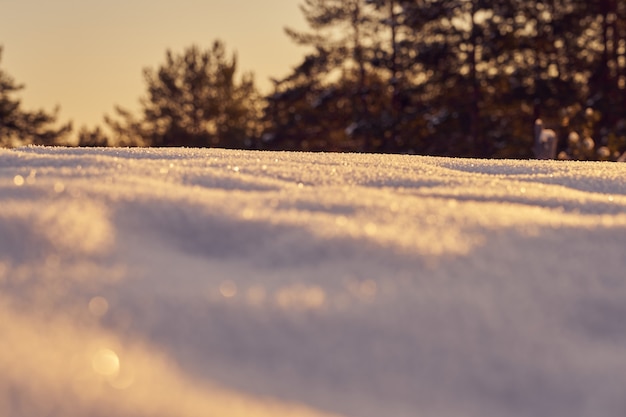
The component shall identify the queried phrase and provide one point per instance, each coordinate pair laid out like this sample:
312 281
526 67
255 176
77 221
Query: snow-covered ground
179 282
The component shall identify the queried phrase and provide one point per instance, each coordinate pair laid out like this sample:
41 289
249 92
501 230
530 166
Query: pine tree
454 77
194 99
92 138
337 75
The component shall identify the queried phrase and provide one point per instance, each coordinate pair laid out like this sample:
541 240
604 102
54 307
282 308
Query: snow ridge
188 282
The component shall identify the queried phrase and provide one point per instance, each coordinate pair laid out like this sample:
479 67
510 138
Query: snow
187 282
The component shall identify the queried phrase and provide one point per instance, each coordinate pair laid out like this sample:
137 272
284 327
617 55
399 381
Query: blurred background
453 78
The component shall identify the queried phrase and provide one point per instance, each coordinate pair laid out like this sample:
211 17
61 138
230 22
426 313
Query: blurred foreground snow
179 282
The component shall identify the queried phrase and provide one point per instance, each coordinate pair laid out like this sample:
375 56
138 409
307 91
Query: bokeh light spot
106 362
247 213
371 229
314 297
98 306
228 289
341 221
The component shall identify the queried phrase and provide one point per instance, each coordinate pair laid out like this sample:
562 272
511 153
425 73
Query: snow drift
180 282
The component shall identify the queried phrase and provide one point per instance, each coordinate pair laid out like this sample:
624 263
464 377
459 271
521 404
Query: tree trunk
477 142
393 139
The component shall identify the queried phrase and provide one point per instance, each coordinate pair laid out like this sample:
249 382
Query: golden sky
87 55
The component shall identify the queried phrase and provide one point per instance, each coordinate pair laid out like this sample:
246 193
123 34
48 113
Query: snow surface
185 282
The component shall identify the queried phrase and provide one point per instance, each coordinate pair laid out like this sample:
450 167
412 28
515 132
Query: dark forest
451 78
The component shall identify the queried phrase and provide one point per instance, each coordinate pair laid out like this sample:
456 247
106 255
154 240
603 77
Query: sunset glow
87 57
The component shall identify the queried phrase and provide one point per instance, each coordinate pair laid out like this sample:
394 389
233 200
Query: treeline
453 77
